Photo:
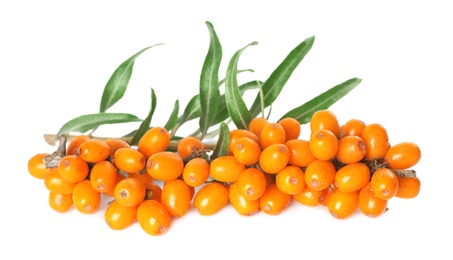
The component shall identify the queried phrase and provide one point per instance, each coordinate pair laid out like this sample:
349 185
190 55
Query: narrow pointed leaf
304 112
277 80
237 109
88 122
221 147
209 82
117 84
173 117
144 126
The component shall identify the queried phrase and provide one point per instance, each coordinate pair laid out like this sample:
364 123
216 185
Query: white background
55 59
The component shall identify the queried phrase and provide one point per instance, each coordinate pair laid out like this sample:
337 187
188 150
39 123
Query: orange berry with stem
408 187
292 128
103 176
320 174
251 183
290 180
211 198
74 144
256 125
176 197
352 177
60 202
308 196
73 168
235 134
118 216
153 217
325 119
369 204
402 155
226 168
272 133
156 139
189 146
351 149
115 144
196 172
246 150
86 199
94 150
323 144
130 192
384 183
352 127
342 205
274 201
301 155
57 184
274 158
376 141
243 206
36 166
153 191
129 160
165 166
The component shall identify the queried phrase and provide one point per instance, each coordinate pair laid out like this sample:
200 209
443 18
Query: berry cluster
346 168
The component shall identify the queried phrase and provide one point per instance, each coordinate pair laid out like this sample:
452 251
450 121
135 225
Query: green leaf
237 109
209 82
87 122
277 80
144 126
173 116
221 147
304 112
117 84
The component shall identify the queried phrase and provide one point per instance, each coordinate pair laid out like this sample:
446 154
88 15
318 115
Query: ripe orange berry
308 196
384 183
242 205
351 149
165 166
325 195
376 141
246 151
352 177
176 197
290 180
323 144
226 168
325 119
211 198
73 168
110 191
118 216
57 184
154 140
274 158
301 155
408 187
320 174
86 199
103 176
272 133
129 160
342 205
235 134
74 144
60 202
153 191
256 125
251 183
93 150
130 192
292 128
36 166
196 172
189 146
402 155
274 201
370 205
153 217
352 127
115 144
143 177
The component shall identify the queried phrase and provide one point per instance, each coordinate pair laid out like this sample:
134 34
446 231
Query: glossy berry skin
176 197
154 140
384 183
86 199
196 172
370 205
93 151
74 144
320 174
211 198
226 168
153 217
325 119
308 196
274 201
118 216
129 160
408 187
60 202
403 155
342 205
323 144
292 128
272 133
251 183
242 205
351 149
376 141
235 134
290 180
103 176
57 184
189 146
353 127
246 151
73 168
352 177
256 125
130 192
165 166
274 158
115 144
36 166
301 155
